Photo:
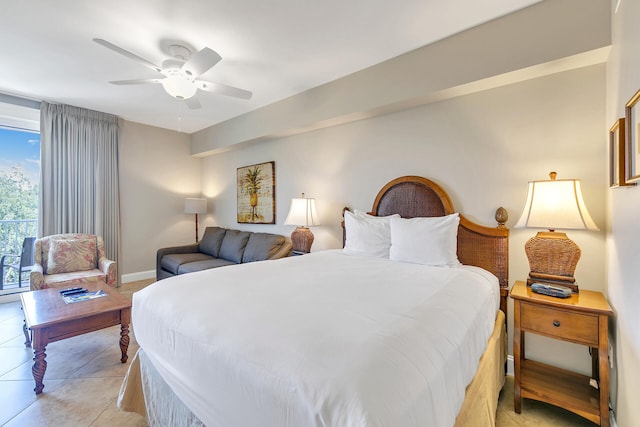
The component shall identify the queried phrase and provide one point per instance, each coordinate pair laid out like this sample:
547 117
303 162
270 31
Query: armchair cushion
74 278
66 256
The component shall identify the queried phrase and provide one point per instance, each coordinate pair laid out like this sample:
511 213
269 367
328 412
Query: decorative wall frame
617 151
632 118
256 193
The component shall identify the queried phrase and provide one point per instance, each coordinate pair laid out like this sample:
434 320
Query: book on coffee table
83 296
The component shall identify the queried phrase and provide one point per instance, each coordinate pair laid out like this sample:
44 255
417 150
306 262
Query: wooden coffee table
50 319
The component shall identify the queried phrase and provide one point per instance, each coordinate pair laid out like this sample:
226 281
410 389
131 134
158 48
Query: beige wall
623 250
482 148
511 47
156 173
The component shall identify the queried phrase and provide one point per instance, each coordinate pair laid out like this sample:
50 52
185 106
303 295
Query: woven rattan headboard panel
486 247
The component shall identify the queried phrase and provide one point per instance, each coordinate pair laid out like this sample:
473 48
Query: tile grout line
103 411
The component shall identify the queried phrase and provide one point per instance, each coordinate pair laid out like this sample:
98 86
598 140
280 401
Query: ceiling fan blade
136 81
128 54
200 62
192 103
223 89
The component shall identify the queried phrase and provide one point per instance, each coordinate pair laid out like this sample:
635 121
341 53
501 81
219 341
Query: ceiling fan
181 73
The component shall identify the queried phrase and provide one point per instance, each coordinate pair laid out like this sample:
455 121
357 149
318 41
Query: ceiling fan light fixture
179 86
181 72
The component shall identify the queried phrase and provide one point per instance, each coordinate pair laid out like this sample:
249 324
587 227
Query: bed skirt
145 392
481 397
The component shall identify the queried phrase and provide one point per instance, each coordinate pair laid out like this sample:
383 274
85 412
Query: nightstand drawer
577 327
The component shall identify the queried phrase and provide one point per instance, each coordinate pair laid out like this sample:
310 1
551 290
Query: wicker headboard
486 247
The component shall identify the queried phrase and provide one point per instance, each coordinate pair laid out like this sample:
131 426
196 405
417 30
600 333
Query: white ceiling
274 48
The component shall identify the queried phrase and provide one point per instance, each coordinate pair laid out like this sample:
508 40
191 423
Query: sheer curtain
79 190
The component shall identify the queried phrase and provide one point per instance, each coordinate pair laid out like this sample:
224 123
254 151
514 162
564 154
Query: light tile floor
84 375
82 380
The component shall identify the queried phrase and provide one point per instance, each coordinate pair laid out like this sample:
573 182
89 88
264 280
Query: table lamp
303 214
554 204
195 206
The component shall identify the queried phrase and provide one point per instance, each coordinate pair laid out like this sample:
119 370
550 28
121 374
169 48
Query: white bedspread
324 339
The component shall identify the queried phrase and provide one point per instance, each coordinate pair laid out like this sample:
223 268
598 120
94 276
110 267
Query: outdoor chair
23 264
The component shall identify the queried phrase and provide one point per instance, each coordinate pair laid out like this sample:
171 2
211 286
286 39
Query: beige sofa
220 247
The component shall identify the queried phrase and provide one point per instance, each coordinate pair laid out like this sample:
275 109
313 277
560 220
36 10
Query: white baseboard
9 297
140 275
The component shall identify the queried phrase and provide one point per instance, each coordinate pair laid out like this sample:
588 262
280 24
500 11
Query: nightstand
581 319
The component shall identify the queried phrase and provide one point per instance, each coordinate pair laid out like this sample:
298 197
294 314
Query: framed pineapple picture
256 194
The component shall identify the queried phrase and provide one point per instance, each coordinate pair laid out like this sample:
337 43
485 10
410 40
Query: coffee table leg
27 336
40 364
124 341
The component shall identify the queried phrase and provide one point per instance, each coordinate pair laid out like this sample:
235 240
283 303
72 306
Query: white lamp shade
302 213
195 205
556 204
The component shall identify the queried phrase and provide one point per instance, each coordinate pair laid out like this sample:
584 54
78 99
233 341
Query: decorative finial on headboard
501 216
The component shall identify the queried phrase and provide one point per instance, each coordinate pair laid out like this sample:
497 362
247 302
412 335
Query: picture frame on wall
617 151
256 194
632 118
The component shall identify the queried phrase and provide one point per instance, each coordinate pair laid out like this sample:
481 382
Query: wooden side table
581 319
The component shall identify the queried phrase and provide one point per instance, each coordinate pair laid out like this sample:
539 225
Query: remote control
64 291
551 290
79 291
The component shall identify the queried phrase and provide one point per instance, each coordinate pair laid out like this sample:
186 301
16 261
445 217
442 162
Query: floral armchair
68 260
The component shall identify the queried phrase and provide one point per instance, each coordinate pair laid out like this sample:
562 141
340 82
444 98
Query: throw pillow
66 256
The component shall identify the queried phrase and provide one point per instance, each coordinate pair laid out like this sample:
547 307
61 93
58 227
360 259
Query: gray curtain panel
79 190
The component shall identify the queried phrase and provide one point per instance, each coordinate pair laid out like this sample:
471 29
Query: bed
331 338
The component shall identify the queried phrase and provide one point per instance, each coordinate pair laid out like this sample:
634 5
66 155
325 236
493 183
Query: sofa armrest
284 251
108 267
184 249
36 278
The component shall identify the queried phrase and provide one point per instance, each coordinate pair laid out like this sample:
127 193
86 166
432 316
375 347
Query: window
19 181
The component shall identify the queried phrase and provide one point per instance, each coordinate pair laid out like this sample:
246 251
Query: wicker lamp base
552 259
302 239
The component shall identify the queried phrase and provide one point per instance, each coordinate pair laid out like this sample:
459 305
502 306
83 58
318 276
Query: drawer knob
556 323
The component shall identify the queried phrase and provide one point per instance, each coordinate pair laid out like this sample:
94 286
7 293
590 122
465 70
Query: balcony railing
12 233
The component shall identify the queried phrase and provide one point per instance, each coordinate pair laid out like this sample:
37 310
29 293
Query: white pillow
367 235
430 241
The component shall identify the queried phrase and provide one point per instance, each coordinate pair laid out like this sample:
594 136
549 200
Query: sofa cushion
262 246
190 267
212 240
233 245
172 262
